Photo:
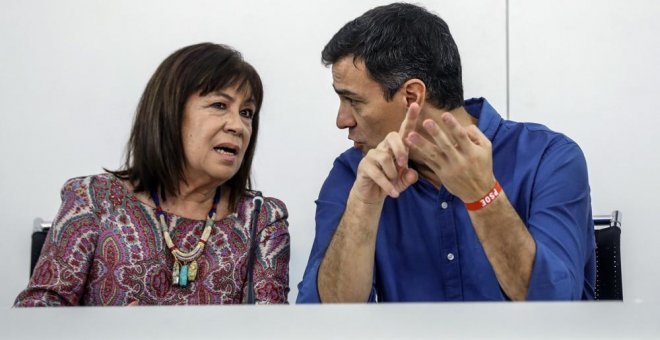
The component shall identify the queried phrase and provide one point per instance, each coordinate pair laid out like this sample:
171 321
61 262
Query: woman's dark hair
399 42
154 154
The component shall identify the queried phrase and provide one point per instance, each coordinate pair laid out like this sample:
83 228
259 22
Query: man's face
362 105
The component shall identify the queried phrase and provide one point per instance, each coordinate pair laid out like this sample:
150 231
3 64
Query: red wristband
487 199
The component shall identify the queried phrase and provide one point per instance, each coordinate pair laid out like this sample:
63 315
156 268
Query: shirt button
450 257
444 205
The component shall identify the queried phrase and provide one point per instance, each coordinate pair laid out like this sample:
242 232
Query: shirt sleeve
561 224
330 207
271 266
60 275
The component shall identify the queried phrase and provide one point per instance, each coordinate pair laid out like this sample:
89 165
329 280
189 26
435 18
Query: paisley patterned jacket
106 248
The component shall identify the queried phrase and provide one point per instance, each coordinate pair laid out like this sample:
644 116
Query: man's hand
384 170
461 157
346 272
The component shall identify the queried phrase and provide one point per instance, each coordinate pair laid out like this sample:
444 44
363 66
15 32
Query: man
440 199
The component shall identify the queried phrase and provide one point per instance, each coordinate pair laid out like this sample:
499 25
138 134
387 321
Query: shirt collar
488 119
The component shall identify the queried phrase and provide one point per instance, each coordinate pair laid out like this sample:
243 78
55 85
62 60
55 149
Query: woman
178 224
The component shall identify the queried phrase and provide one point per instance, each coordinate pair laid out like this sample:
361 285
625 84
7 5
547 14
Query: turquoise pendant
183 276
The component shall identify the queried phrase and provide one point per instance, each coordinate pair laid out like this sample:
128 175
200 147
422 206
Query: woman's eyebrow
224 95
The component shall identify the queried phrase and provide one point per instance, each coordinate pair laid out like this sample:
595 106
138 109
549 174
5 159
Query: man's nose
345 118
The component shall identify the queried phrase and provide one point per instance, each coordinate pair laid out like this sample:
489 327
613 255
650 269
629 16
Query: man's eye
247 113
351 101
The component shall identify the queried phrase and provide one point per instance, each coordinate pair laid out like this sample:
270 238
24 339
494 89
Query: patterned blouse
106 248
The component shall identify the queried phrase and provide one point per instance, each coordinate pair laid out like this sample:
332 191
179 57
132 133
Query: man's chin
362 147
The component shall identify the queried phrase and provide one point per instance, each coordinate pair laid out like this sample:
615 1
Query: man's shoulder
351 155
499 129
533 146
535 135
341 177
348 160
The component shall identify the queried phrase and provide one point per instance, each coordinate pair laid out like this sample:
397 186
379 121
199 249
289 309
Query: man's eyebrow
344 92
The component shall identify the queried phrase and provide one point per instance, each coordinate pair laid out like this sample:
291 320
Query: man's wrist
357 197
487 199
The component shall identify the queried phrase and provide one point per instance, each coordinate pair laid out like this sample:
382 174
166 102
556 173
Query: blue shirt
426 247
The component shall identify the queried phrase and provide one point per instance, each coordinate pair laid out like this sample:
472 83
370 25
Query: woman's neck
193 201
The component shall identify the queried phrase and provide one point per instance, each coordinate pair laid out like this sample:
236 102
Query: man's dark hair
154 155
399 42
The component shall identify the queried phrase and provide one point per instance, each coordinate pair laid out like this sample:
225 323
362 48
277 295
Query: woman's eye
247 113
219 106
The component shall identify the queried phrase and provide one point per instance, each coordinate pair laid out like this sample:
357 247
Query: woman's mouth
228 152
225 150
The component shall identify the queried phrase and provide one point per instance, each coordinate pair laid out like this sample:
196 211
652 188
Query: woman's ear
414 90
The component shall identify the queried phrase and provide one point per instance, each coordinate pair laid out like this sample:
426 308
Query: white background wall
72 71
591 69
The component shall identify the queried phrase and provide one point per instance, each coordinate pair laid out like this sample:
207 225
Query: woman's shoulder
273 202
275 208
91 188
79 202
90 182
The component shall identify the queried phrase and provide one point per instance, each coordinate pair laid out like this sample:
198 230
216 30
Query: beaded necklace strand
185 263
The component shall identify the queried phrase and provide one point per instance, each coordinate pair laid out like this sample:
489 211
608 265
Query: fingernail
446 118
401 160
429 124
394 193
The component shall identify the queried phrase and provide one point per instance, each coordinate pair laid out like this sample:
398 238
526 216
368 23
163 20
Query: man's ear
414 91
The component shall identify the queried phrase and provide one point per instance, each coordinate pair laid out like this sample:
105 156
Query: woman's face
216 132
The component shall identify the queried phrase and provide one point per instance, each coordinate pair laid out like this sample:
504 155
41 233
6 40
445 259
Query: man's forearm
508 244
346 272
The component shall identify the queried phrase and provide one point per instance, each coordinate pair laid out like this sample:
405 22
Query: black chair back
39 233
608 257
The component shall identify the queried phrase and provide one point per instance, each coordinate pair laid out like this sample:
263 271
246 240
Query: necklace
185 263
